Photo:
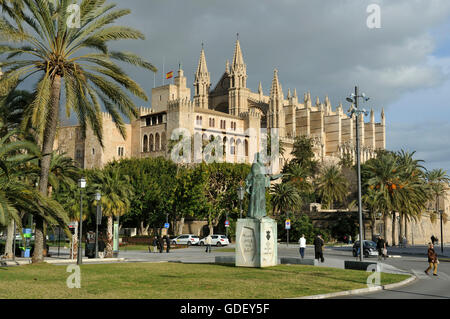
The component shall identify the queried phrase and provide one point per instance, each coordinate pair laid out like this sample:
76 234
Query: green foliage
346 225
332 186
300 224
304 155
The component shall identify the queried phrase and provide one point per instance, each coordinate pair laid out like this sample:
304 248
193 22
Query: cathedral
231 113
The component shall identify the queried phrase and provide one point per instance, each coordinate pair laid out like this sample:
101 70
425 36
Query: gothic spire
238 59
202 69
275 90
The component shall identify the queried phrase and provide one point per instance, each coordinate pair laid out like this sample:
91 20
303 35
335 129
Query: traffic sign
288 224
166 225
227 223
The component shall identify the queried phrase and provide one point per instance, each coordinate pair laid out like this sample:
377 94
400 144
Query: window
212 122
120 151
148 121
145 146
93 151
157 142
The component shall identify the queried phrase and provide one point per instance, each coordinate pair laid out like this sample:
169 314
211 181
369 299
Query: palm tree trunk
385 221
109 242
393 228
47 148
400 228
9 240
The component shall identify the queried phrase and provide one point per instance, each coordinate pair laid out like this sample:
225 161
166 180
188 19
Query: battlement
143 111
183 103
252 113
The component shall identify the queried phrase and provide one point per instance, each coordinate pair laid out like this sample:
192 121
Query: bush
301 225
345 225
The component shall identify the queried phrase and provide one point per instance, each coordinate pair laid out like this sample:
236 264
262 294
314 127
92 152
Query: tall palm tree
382 174
298 176
438 181
116 193
332 186
412 190
285 198
62 56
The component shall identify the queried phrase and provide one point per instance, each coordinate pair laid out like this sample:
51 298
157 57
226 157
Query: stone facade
231 113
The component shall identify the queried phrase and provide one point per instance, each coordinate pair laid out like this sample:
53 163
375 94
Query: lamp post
354 99
98 197
81 185
240 193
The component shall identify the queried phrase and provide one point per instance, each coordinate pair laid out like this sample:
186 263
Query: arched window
232 147
145 144
246 147
239 148
225 145
157 142
151 143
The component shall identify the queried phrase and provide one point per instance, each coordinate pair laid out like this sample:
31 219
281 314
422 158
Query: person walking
381 247
155 244
302 244
432 260
208 242
318 248
167 244
161 244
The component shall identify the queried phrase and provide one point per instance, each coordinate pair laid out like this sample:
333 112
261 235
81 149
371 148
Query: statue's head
258 158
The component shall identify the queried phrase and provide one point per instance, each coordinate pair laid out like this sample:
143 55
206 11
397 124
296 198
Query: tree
222 182
303 154
332 186
285 198
115 200
438 182
60 53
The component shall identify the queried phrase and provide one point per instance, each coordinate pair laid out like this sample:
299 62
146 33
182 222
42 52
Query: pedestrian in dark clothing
433 239
432 260
155 244
381 246
318 248
161 244
167 244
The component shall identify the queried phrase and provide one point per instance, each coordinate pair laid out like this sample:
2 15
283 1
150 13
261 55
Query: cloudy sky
322 46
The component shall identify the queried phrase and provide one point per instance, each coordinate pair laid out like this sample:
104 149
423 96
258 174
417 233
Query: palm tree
298 176
381 174
412 190
60 53
285 198
438 181
332 186
116 193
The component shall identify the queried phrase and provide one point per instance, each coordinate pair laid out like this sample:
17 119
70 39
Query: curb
361 290
85 261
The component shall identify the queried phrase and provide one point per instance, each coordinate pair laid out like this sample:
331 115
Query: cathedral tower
238 94
202 83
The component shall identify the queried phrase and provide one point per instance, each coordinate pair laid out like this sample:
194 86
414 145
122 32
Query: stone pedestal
256 243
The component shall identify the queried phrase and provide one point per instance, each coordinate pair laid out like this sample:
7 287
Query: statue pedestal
256 242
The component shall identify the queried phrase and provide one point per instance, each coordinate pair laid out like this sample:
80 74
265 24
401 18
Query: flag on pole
169 75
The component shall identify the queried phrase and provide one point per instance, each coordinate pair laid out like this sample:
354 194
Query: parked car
217 240
186 239
370 248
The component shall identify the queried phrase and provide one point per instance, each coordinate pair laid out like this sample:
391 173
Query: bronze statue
256 183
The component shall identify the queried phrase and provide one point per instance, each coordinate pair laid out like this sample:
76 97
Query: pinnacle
238 59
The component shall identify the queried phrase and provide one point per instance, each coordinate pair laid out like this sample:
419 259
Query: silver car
216 240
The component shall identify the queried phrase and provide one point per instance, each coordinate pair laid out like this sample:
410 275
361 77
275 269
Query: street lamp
354 99
441 212
98 197
240 193
81 185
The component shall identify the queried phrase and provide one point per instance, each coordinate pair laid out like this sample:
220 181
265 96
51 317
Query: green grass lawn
179 281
